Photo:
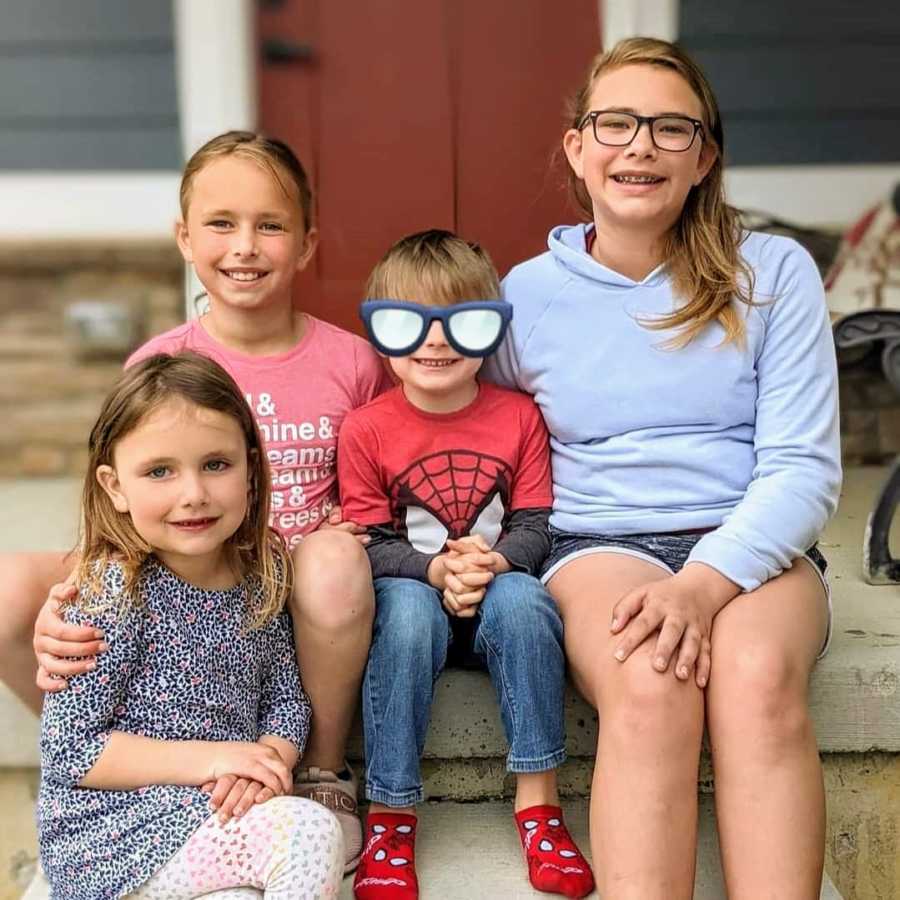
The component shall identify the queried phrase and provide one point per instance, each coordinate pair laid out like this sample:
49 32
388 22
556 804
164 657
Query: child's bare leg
644 797
536 789
769 794
333 606
25 581
375 808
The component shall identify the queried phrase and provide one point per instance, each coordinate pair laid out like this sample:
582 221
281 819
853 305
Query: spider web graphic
454 486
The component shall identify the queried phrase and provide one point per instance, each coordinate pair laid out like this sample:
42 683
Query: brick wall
49 395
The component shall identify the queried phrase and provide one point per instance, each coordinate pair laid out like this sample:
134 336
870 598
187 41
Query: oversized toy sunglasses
398 327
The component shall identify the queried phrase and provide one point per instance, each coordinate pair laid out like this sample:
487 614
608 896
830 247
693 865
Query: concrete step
470 851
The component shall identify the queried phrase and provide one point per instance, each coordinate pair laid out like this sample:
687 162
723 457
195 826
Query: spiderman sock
387 868
555 864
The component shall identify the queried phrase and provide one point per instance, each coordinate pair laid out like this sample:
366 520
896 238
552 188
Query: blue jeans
518 636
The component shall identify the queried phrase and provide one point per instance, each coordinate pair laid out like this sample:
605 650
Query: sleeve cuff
733 560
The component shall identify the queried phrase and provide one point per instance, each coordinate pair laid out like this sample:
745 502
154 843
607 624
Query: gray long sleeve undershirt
524 545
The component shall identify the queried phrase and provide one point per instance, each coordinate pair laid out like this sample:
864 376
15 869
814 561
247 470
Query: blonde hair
256 552
702 250
435 268
270 154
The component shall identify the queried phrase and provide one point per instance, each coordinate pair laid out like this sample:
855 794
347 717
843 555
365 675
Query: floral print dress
181 666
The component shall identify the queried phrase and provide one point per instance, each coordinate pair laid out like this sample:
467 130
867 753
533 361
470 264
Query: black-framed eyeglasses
618 129
398 327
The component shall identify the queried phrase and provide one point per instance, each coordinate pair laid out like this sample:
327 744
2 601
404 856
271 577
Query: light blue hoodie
646 439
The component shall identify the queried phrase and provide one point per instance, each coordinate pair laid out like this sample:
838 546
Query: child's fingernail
683 671
660 662
103 646
92 665
615 623
98 635
620 654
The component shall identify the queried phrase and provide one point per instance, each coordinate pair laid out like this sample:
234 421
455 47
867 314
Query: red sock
555 864
387 868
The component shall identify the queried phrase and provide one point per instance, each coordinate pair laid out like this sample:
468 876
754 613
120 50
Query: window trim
212 96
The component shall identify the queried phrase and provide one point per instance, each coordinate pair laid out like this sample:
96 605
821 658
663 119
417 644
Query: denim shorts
668 550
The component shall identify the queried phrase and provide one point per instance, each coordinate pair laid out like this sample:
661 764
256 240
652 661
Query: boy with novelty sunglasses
451 478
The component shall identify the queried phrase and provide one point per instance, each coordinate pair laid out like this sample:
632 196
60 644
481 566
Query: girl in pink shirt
246 227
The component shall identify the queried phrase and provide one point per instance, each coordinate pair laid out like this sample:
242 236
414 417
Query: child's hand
336 520
681 607
469 543
250 761
475 552
233 796
62 649
464 588
464 606
449 570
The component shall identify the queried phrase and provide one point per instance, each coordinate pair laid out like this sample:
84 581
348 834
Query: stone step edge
854 708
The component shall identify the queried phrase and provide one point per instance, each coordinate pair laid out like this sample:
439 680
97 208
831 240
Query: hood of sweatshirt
568 247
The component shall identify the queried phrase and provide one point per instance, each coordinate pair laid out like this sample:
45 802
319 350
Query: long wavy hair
256 552
702 250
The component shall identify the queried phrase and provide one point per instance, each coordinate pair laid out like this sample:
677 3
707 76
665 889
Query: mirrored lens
396 329
475 329
673 133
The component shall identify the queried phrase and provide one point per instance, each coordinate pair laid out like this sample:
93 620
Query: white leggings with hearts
287 847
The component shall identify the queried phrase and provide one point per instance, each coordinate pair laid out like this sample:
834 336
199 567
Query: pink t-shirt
300 399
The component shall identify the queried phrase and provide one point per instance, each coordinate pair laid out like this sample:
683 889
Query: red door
411 115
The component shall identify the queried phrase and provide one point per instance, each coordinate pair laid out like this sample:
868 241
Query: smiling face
182 476
435 377
244 234
639 186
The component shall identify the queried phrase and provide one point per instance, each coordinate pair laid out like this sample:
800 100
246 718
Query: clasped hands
463 573
244 774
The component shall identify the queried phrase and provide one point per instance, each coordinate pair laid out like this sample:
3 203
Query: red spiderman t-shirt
439 476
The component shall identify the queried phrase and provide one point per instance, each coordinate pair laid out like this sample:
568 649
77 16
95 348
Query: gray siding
87 85
801 81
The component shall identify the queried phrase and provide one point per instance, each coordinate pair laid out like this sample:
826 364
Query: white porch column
645 18
215 68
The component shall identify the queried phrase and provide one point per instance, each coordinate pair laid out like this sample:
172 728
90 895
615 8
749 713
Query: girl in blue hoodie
686 372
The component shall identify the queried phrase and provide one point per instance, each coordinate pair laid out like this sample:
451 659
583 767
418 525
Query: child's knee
409 621
519 602
332 582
